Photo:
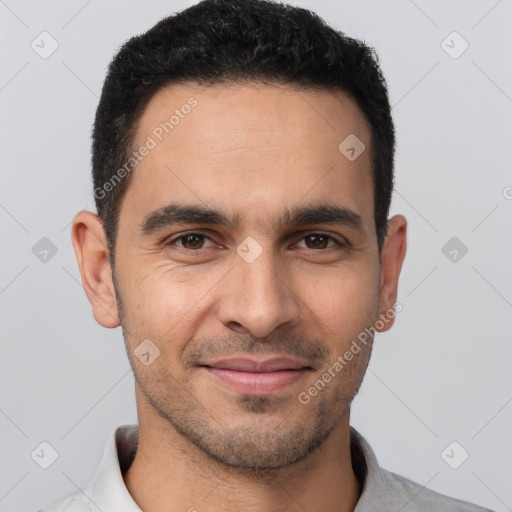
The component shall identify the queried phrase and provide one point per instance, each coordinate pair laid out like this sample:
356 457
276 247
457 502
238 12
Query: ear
92 254
392 257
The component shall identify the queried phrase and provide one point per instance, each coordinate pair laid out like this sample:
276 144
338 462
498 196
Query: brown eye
192 241
189 241
319 241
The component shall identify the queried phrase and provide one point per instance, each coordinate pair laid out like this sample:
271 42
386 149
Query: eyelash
170 242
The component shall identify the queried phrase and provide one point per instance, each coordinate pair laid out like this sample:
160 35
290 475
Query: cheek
343 302
165 303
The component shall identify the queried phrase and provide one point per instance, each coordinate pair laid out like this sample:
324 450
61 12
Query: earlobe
92 254
392 257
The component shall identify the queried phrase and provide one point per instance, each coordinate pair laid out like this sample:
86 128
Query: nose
258 297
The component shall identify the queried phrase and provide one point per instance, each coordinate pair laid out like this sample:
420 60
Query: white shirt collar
382 490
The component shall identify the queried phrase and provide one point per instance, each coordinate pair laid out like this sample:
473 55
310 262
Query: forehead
251 146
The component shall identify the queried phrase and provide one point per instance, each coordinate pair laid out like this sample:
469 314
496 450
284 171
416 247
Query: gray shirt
382 491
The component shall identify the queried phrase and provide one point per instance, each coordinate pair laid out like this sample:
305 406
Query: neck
171 474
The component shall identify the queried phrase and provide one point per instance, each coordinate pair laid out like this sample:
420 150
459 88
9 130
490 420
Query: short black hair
219 41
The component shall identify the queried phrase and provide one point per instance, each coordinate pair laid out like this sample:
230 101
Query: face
246 265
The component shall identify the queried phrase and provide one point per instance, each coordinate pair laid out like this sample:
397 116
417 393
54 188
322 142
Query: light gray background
441 374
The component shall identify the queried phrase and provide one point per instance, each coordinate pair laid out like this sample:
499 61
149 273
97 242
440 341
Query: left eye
195 241
319 241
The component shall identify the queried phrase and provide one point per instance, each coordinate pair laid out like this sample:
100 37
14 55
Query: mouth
257 377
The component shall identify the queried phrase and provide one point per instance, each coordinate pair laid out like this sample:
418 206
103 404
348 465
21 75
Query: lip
242 364
257 377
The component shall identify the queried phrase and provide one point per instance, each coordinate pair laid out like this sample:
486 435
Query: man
243 170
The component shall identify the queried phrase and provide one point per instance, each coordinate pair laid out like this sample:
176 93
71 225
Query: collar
108 491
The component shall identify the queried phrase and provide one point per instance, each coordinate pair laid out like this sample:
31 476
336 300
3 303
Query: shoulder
73 502
384 490
417 498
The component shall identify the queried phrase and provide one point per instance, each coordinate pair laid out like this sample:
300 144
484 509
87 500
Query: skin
252 150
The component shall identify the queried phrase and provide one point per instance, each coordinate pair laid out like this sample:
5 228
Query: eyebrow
176 214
